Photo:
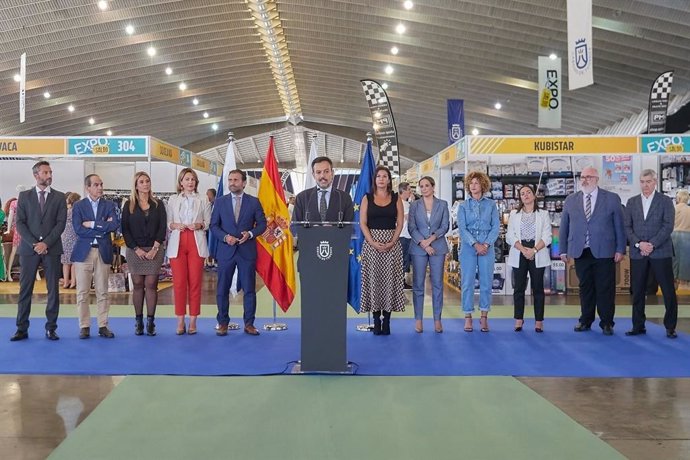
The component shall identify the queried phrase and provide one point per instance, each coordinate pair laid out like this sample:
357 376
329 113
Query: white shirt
406 209
187 211
319 191
646 203
38 191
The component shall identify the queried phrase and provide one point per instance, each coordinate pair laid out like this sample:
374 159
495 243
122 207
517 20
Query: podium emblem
324 250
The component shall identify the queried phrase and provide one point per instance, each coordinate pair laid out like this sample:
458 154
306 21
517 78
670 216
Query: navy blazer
420 227
251 219
607 235
655 229
307 206
34 226
82 212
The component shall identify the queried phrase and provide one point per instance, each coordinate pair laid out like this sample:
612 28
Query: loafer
250 329
105 333
607 330
84 333
52 335
636 332
671 334
222 330
579 327
19 335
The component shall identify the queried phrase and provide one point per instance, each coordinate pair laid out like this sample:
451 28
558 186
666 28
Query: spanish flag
275 263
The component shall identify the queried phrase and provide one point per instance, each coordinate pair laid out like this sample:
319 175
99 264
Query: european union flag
364 184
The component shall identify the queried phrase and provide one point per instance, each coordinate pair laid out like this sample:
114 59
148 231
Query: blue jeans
469 263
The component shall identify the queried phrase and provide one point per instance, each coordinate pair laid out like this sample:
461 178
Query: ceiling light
205 114
91 121
214 126
129 29
46 95
17 77
384 86
195 101
151 51
388 69
182 86
400 28
70 108
408 4
553 56
497 106
109 133
103 5
168 71
377 114
394 50
342 160
475 132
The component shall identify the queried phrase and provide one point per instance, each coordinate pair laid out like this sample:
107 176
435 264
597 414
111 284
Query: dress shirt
94 206
646 203
320 190
593 195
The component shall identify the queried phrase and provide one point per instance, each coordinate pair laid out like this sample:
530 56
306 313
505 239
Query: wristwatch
637 245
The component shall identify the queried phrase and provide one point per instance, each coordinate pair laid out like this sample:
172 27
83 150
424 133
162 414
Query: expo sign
664 144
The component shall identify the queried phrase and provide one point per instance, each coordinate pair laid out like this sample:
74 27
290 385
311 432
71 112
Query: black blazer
34 226
655 229
140 230
307 200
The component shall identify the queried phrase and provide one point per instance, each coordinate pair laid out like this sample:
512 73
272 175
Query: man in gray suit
41 218
592 233
649 219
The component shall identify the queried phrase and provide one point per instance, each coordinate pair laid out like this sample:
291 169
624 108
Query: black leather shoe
84 333
19 335
671 334
607 330
579 327
52 335
105 333
636 332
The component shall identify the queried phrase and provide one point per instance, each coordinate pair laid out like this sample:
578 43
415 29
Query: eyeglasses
589 177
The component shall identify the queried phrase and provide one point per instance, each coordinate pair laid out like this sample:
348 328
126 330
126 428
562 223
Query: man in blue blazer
649 221
236 221
94 218
592 233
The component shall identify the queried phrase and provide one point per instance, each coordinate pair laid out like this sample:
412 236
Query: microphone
307 221
340 210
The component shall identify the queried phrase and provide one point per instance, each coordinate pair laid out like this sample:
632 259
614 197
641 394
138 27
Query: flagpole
368 327
275 325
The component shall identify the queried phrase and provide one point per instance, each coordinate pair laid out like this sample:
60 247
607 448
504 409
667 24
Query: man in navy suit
94 218
236 221
649 220
323 203
592 233
41 218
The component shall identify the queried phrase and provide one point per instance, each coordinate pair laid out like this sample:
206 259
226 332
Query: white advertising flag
549 93
580 69
22 88
309 181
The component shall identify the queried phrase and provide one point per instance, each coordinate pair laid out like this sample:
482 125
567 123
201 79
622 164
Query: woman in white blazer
189 216
529 234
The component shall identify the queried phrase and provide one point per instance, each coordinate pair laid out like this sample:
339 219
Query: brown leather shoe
222 330
250 329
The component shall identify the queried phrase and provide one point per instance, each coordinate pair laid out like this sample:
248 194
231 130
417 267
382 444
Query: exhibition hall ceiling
482 51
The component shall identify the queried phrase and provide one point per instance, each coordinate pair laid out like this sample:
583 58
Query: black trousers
536 275
663 271
52 270
597 288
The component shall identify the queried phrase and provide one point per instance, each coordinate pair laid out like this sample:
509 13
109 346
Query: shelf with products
675 173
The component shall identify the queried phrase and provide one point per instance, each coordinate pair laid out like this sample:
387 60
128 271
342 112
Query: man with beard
323 203
592 233
41 219
236 221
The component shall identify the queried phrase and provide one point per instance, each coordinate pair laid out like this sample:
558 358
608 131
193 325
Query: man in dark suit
236 221
41 219
592 233
649 220
323 203
94 218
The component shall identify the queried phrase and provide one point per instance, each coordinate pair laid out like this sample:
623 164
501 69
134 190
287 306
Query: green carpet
329 417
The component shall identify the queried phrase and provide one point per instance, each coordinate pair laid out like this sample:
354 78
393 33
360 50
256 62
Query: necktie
588 214
322 205
238 203
42 199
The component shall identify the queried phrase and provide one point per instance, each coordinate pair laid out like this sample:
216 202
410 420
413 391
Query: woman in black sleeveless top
381 221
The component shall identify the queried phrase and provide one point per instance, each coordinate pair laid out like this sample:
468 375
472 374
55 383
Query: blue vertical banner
456 120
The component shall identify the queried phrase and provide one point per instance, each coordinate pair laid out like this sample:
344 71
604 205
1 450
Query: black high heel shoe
519 328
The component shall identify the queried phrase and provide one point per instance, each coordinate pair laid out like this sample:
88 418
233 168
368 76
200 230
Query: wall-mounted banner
665 144
658 103
22 88
385 132
201 164
93 146
580 67
164 151
456 120
32 146
553 145
448 155
185 158
549 93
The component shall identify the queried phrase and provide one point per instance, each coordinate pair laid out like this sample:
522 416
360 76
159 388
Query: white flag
22 88
580 69
309 181
228 166
549 107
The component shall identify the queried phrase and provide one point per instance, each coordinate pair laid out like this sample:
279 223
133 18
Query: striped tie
323 208
588 215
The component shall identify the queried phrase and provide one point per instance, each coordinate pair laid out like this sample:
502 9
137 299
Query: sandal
484 323
468 320
438 327
418 328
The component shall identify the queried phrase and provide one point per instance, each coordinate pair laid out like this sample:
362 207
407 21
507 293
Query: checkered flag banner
384 125
658 102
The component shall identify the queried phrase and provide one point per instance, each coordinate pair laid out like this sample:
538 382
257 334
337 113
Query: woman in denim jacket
478 225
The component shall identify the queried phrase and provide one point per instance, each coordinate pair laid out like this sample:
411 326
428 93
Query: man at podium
323 203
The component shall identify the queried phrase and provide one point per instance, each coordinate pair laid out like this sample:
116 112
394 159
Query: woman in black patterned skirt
381 220
143 227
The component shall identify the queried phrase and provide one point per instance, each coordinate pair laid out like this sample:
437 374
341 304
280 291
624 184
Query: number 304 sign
88 146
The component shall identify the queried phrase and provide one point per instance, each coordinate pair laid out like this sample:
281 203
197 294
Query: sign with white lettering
665 144
95 146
